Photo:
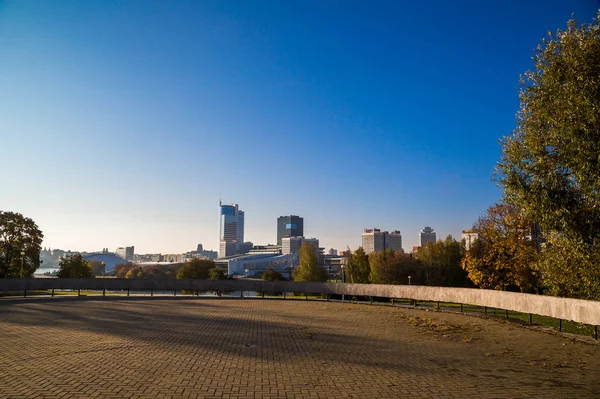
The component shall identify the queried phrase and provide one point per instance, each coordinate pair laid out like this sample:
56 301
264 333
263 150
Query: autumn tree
504 256
122 269
550 166
75 266
19 234
308 268
357 266
196 269
441 263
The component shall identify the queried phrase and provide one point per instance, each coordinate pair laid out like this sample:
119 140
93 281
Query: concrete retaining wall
578 310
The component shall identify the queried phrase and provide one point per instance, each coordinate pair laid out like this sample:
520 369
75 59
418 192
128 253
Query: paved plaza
254 348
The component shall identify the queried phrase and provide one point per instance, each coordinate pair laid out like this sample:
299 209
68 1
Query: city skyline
126 120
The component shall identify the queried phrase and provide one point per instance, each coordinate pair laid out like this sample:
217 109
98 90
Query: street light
22 259
409 280
103 268
343 266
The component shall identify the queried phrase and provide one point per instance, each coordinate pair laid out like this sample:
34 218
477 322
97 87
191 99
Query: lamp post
409 280
103 268
22 259
343 266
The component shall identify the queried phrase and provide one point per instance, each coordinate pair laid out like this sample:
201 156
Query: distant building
470 236
289 226
265 249
124 252
291 245
376 240
332 252
426 235
231 229
251 265
172 258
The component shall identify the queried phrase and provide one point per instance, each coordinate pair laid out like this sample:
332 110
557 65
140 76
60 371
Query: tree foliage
217 273
308 268
97 267
393 267
550 165
196 269
273 275
504 257
75 266
441 264
19 233
357 266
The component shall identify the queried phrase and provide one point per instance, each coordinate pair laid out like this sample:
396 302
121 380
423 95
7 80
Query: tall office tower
291 245
231 231
289 226
394 241
426 235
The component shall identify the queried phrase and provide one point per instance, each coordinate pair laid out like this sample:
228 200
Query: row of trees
435 264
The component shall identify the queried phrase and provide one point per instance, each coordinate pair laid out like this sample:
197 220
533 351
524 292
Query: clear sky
121 122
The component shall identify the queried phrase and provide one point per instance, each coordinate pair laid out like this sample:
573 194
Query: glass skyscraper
289 226
231 229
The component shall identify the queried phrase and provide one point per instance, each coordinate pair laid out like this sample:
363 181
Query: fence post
596 333
393 301
175 292
560 325
241 294
461 308
371 299
263 295
52 292
485 310
78 291
25 293
438 305
104 292
306 295
127 291
530 319
506 314
151 291
284 295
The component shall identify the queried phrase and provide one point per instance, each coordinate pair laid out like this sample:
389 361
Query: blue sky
121 122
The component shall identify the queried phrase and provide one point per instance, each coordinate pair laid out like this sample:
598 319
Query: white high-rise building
376 240
470 236
426 235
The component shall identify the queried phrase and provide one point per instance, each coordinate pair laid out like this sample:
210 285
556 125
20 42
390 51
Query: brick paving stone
253 348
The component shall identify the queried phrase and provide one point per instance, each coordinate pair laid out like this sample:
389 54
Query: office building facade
470 236
291 245
289 226
426 235
125 253
231 229
374 240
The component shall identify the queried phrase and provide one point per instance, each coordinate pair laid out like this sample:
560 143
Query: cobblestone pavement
242 348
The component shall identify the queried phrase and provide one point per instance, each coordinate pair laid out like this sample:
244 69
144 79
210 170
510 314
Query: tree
550 164
196 269
357 267
75 266
441 263
122 269
217 273
18 233
505 256
273 275
98 267
393 267
308 269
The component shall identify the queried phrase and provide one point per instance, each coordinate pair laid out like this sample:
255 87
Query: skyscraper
231 231
289 226
426 235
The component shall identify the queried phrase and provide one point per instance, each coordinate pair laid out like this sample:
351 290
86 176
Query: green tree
217 273
19 234
441 263
357 267
196 269
273 275
393 267
308 268
505 256
97 267
550 164
75 266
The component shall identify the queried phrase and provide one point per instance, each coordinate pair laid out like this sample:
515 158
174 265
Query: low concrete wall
578 310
